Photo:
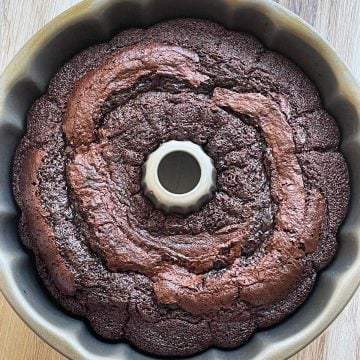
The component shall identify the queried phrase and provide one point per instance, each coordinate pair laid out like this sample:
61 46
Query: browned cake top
174 284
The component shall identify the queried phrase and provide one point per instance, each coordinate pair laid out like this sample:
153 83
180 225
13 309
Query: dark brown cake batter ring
172 284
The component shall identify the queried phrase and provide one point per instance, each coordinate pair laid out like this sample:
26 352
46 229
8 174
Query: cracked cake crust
171 284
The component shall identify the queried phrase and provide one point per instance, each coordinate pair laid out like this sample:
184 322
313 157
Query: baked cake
168 283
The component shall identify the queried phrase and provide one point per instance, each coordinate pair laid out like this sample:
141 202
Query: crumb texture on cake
171 284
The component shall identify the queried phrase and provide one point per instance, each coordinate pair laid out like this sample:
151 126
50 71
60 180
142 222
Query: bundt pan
94 21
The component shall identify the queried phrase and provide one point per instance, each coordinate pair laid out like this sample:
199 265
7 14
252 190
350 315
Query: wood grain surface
337 20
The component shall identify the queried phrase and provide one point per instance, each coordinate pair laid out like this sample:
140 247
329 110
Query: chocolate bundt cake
177 284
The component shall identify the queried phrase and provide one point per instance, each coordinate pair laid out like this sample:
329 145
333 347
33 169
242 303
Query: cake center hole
179 172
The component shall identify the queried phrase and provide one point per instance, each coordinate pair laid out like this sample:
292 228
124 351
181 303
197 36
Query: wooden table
337 20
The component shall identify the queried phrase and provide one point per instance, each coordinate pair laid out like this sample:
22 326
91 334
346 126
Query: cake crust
171 284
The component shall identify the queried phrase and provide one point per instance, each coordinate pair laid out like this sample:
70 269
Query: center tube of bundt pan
179 177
